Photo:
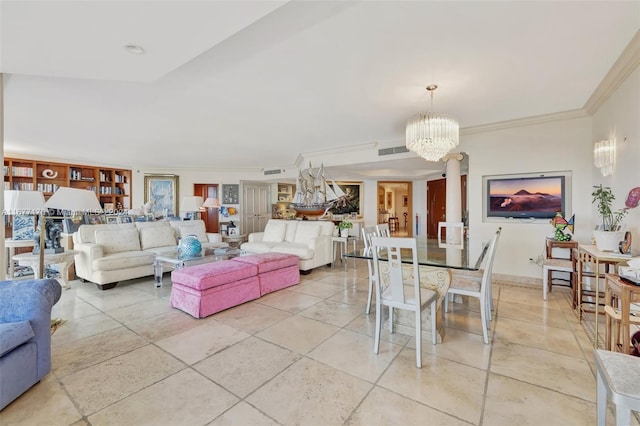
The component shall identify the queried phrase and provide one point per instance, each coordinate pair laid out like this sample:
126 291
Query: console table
590 255
64 259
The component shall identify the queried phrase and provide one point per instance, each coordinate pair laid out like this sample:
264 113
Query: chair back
383 229
488 264
367 233
454 235
393 248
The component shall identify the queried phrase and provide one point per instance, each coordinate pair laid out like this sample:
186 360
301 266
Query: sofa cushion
195 228
116 241
123 260
87 233
305 232
14 334
292 225
160 236
269 261
274 232
301 250
260 247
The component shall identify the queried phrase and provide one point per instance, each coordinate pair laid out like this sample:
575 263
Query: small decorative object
52 238
189 247
344 227
609 234
560 224
232 229
49 174
625 245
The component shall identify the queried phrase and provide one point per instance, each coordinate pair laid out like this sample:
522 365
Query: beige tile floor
304 356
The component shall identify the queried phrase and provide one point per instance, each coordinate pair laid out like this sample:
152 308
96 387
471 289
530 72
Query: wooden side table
620 294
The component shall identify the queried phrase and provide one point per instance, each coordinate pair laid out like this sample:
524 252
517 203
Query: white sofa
309 240
107 254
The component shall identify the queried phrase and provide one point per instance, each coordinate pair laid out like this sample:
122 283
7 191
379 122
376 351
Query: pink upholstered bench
275 270
205 289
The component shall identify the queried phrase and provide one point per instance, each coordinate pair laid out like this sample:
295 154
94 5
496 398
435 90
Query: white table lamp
212 203
191 204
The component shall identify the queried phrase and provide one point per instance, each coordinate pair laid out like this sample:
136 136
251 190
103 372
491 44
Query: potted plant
344 227
609 234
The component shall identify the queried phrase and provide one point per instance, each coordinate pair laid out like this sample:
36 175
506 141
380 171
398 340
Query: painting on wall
352 200
161 191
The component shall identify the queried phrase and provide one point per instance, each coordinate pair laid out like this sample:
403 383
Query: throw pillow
274 232
306 232
118 241
195 228
160 236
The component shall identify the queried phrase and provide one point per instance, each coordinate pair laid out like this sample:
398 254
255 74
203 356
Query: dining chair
383 230
454 235
392 291
367 233
479 286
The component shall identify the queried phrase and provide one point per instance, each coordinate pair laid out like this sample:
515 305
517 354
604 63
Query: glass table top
429 254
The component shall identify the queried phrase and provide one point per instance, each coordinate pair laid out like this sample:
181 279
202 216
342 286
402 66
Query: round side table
234 241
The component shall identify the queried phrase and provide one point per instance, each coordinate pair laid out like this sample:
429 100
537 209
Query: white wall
548 147
619 117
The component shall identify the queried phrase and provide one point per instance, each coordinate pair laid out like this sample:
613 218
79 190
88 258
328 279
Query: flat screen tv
538 197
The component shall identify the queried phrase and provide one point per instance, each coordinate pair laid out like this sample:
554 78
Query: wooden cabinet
112 186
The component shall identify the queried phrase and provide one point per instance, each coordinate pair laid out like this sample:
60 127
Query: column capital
453 156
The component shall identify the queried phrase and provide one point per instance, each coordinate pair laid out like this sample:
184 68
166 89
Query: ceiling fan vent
390 151
272 172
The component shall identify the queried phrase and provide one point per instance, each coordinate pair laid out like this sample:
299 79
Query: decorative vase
608 240
344 232
189 247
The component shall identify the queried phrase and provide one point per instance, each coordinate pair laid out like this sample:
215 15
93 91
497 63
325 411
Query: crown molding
627 62
527 121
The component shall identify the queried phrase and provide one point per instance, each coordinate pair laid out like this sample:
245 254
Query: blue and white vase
189 246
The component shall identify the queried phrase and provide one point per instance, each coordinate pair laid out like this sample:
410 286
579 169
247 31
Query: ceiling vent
395 150
272 172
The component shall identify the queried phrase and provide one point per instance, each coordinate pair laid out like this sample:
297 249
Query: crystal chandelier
431 135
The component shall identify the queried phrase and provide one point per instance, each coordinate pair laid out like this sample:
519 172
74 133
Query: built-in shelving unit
112 186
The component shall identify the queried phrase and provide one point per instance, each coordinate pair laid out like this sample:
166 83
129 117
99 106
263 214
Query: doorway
395 206
437 203
209 215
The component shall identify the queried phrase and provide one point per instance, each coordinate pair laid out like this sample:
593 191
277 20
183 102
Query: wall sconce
604 155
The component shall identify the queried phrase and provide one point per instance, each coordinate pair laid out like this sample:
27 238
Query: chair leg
545 282
434 330
390 320
376 343
370 296
419 338
445 300
601 401
483 320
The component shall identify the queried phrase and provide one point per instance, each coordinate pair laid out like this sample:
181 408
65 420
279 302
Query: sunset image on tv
527 197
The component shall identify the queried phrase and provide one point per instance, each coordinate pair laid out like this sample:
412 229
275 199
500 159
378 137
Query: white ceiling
257 84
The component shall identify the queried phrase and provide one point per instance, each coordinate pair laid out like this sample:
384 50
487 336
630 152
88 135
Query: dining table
437 267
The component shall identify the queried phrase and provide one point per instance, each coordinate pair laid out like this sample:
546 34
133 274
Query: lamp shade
211 203
23 202
191 203
74 199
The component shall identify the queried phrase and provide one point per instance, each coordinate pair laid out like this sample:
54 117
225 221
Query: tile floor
304 356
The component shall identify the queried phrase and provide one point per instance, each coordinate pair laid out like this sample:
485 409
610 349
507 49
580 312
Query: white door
257 206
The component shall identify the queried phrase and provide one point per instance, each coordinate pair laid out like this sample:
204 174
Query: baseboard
517 279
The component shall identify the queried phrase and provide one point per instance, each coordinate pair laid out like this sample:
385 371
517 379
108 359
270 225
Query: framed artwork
93 219
352 201
23 227
233 231
162 192
108 207
71 224
230 194
405 201
126 219
111 219
389 200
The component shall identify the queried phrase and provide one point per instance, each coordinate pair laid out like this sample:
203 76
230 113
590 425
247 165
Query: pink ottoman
205 289
275 270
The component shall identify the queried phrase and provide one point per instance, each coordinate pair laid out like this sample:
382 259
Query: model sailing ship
314 197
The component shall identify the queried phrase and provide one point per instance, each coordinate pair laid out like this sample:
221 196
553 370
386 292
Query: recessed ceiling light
134 48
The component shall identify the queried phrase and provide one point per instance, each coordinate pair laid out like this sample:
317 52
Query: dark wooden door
437 203
209 216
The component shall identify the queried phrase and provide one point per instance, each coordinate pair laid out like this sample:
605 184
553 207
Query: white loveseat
309 240
110 253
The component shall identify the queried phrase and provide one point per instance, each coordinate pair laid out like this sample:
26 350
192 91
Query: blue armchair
25 334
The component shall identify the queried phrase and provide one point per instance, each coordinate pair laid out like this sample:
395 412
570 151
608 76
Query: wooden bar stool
394 224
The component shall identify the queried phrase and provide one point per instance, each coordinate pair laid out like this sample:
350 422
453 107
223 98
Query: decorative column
454 202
